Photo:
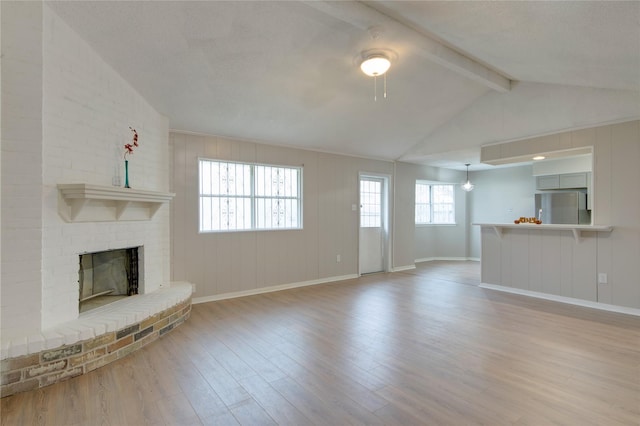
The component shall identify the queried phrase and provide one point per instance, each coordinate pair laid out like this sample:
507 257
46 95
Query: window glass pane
440 213
265 213
442 193
205 214
422 193
292 213
423 209
226 178
236 196
274 213
422 213
216 185
205 182
266 179
435 203
443 207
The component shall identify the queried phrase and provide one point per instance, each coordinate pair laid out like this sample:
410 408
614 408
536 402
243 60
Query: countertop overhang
575 229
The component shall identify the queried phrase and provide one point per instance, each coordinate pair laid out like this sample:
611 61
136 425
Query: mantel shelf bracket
153 209
121 207
77 204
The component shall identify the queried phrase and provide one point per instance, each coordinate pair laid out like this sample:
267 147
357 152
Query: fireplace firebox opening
107 276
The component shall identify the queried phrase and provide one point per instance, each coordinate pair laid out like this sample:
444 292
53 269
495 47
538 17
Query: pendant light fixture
467 186
375 65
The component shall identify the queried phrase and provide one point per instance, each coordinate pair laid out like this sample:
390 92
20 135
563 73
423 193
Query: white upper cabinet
573 180
548 182
563 181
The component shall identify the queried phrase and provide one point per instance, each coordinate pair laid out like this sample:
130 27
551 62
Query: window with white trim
246 196
435 204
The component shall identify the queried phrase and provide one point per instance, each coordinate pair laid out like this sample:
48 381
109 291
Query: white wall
437 241
220 263
498 116
500 196
223 263
73 112
574 164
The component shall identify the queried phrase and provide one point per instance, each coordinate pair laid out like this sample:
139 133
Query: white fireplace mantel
81 202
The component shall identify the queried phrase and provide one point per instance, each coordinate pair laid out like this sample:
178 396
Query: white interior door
372 220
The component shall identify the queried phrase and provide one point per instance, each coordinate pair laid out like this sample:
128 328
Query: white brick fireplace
66 117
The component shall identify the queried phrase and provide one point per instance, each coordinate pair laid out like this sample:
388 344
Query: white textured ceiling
577 43
287 72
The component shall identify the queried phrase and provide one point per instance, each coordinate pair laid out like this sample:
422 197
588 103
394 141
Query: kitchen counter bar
576 229
557 262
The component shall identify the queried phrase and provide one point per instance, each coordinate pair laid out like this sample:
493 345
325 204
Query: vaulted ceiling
463 74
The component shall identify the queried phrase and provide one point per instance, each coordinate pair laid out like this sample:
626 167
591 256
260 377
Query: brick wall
46 367
83 110
21 166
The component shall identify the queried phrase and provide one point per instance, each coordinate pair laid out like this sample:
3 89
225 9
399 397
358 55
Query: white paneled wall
622 249
430 242
235 262
541 261
71 114
551 261
221 264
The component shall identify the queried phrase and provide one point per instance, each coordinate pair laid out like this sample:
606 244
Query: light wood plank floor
418 347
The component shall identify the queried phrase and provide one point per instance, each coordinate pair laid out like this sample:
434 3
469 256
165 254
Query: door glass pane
370 203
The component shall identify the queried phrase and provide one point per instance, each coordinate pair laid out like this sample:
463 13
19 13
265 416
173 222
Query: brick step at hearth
97 338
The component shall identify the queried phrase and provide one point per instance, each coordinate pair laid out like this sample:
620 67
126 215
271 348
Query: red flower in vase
128 147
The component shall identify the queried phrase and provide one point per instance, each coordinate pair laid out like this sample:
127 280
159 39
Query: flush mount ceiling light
467 186
375 63
539 157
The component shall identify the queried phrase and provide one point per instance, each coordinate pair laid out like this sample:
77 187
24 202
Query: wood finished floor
419 347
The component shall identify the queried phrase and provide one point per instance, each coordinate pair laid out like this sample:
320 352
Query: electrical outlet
602 278
338 259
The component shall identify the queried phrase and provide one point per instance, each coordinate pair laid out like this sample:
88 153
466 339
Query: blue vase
126 174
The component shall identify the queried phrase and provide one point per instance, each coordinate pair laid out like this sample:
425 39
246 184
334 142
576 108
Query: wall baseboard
403 268
564 299
233 295
431 259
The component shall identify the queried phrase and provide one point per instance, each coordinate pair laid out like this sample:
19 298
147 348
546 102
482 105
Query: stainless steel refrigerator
563 207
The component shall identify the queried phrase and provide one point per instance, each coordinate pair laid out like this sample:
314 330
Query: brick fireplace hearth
97 338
